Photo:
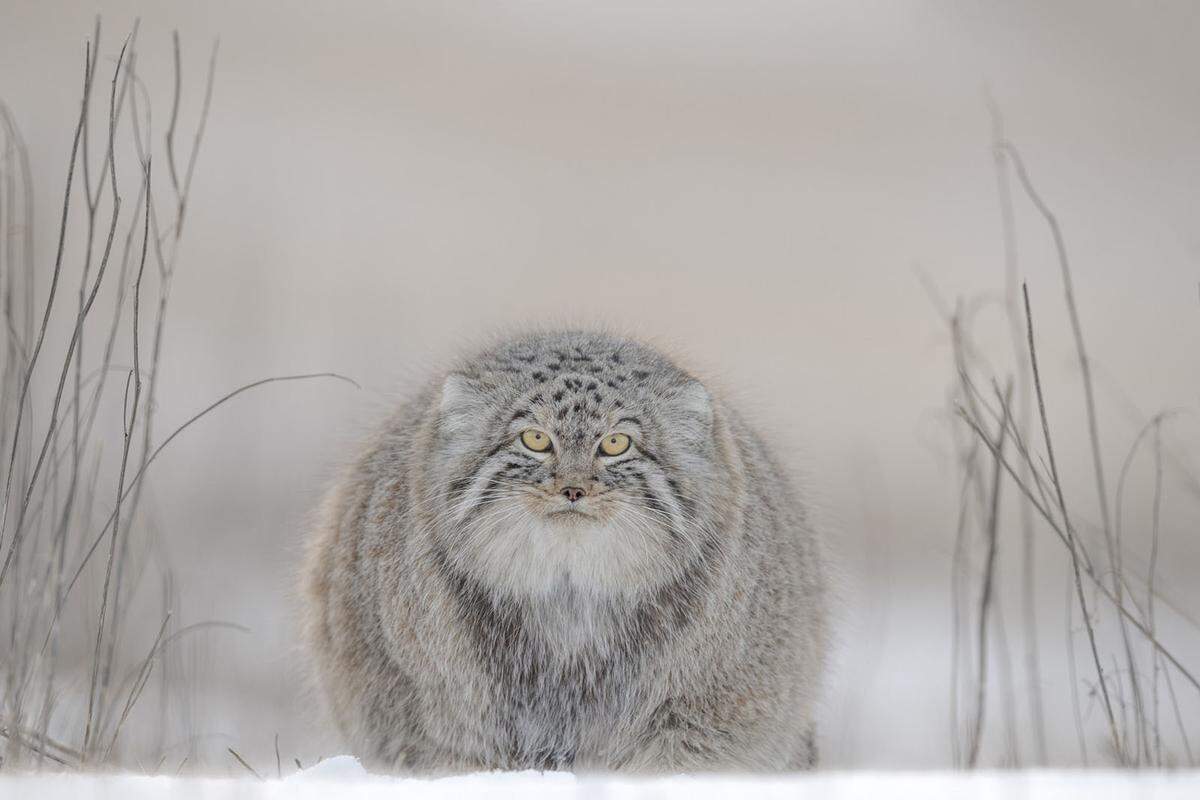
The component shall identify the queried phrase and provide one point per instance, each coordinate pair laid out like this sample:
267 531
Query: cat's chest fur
563 670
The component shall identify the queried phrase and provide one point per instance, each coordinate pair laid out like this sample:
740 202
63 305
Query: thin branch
1022 421
174 115
191 167
242 761
37 348
195 418
1154 530
1094 577
985 600
1071 539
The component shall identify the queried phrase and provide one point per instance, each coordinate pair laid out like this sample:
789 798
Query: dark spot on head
557 396
539 376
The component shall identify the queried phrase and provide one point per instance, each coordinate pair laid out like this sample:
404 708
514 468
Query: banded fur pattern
473 603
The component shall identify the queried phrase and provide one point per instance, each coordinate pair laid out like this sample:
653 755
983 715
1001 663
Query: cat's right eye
535 440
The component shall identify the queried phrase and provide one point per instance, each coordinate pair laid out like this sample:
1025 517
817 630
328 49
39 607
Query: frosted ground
342 777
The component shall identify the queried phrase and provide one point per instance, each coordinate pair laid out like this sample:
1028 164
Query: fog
766 189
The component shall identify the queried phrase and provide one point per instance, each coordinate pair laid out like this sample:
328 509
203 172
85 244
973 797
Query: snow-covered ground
342 777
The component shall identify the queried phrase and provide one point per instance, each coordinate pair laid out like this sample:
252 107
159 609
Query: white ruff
529 554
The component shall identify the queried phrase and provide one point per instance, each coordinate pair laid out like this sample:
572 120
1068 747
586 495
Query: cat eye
535 440
614 444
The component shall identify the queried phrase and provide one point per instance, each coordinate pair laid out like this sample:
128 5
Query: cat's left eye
614 444
535 440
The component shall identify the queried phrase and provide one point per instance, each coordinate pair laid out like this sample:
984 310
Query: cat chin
544 553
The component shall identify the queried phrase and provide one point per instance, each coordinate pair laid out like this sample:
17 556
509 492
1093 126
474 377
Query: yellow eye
535 440
614 444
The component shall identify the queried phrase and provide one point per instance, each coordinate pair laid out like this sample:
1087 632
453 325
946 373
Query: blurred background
770 190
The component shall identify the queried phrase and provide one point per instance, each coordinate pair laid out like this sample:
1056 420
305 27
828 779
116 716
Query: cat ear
695 406
460 402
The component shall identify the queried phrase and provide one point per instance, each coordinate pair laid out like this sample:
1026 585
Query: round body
567 554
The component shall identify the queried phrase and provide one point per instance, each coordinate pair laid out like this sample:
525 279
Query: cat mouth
569 514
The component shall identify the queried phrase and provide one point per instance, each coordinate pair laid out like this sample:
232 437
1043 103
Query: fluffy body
462 614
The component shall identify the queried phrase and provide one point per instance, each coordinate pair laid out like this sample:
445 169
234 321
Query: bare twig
191 421
242 761
1093 427
985 600
1150 584
137 379
1093 576
37 348
138 684
1071 538
167 274
1022 421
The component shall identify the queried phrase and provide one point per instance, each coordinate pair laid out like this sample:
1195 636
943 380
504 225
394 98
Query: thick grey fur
462 614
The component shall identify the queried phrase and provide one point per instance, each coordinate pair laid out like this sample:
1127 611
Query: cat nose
573 493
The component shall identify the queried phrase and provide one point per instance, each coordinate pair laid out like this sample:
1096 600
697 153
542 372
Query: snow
344 778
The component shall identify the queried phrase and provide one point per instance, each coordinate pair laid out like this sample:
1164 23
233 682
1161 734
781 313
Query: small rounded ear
695 407
459 404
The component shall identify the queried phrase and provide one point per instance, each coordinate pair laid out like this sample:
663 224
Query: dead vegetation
85 634
1006 470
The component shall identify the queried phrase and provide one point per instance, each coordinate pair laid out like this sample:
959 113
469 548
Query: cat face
573 459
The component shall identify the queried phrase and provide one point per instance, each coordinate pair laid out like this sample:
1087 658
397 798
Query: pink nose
573 493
